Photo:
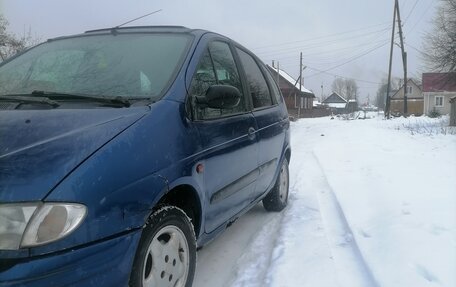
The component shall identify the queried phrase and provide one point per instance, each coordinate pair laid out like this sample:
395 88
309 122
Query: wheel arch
288 154
185 197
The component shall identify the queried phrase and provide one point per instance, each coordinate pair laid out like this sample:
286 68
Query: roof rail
137 27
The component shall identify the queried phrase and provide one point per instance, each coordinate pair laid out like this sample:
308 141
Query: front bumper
106 263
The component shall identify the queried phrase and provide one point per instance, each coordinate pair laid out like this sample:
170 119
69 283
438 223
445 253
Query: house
352 106
336 103
438 89
415 100
299 100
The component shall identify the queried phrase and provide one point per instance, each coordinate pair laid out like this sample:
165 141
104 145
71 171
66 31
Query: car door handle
251 133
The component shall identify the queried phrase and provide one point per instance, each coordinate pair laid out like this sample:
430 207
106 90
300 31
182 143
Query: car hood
40 148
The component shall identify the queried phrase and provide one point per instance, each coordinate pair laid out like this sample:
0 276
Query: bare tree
347 88
11 44
351 89
441 42
338 86
380 100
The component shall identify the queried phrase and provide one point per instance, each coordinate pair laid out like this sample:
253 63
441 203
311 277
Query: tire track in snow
253 265
296 252
351 267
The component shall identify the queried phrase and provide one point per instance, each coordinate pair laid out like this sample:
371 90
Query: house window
409 89
439 101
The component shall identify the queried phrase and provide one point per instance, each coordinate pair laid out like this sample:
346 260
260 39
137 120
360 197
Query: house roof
337 105
316 102
439 82
290 79
396 92
334 98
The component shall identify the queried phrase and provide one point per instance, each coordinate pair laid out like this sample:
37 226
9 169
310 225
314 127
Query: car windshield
125 65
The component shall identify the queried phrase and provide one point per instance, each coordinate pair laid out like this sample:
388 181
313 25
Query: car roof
137 29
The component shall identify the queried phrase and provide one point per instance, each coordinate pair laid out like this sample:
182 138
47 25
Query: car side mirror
220 97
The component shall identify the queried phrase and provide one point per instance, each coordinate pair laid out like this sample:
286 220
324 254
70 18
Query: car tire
166 254
277 198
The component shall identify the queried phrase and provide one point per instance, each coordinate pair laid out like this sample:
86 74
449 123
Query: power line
422 16
352 48
343 77
321 37
311 46
351 60
411 11
416 49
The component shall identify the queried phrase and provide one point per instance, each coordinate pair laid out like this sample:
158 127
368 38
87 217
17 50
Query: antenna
138 18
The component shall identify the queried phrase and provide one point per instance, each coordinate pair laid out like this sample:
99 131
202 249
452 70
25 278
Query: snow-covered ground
372 203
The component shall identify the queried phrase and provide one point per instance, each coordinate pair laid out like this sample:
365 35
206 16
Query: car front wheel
166 255
277 198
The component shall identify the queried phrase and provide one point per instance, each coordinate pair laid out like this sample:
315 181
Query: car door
229 146
270 118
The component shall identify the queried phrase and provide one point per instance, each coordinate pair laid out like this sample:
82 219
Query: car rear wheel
277 198
166 254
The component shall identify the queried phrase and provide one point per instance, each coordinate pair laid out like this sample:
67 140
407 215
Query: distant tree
11 44
380 99
440 44
338 86
351 89
347 88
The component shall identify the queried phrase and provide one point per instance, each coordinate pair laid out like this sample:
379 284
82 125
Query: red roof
439 82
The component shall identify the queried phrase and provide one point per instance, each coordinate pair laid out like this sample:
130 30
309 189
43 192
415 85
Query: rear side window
216 67
258 86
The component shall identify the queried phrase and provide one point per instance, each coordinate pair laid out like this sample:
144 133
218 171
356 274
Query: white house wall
429 102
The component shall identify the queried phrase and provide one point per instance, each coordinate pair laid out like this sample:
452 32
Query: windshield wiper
101 99
29 99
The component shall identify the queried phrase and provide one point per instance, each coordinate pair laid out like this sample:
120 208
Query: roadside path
308 244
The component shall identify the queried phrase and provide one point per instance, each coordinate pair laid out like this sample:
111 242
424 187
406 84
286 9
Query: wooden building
336 103
299 100
415 100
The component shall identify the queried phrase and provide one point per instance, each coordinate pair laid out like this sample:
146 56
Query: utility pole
404 61
321 93
278 71
278 75
300 86
388 100
404 57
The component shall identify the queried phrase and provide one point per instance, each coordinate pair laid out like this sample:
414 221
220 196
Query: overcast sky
352 35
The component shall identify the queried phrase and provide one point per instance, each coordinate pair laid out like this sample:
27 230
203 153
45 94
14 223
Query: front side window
125 65
439 101
216 67
259 90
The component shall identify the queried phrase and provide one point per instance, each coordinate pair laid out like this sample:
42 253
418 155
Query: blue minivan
123 150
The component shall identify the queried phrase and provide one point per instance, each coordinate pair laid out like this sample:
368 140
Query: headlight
28 225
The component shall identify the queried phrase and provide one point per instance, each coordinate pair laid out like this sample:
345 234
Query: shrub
434 114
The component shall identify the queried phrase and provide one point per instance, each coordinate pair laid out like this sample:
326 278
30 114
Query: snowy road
337 231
